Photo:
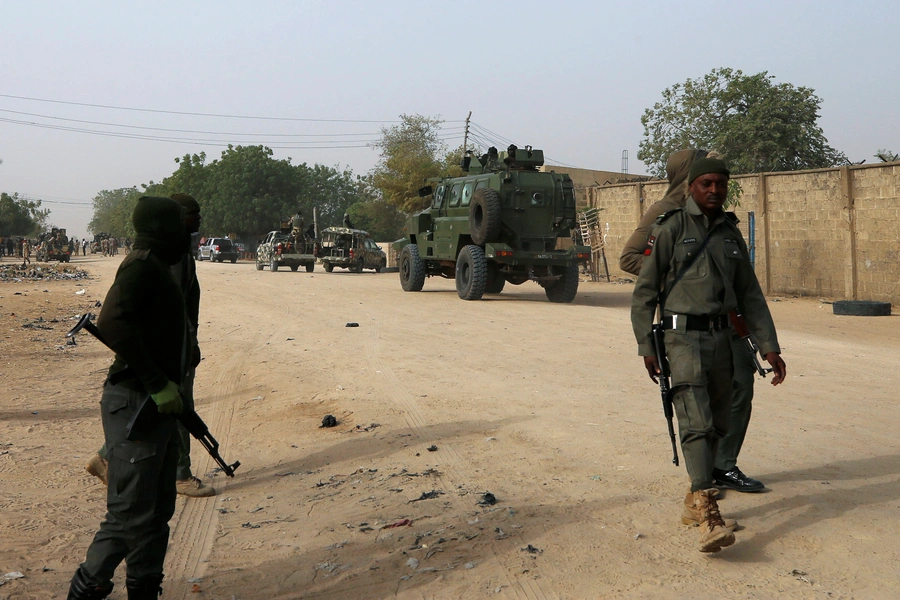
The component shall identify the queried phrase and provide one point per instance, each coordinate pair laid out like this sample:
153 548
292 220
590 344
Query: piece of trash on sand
532 550
328 421
639 536
14 575
400 523
195 589
413 563
488 499
81 292
432 448
352 325
428 495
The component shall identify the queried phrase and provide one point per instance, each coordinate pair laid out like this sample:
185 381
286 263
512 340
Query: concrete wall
828 232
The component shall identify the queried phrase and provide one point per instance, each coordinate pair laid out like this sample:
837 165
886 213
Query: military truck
286 248
498 223
54 246
351 249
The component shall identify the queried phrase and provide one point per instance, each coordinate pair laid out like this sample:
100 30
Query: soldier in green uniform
696 269
726 473
144 321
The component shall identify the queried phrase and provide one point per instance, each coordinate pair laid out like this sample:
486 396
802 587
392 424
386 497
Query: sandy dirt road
545 406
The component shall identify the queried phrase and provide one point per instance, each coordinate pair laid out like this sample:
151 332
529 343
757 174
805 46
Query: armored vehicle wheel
273 265
310 267
495 284
259 265
295 267
471 273
565 288
328 267
484 216
412 269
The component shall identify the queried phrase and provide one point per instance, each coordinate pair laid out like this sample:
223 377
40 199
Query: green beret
190 205
702 166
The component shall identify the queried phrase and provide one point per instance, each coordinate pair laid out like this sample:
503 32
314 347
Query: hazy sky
572 78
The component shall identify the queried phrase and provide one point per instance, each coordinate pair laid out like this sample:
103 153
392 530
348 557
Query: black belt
697 322
120 376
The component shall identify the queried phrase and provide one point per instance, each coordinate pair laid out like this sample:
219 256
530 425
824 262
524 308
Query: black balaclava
159 227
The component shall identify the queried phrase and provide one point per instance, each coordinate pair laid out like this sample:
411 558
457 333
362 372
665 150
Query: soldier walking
726 473
26 252
696 269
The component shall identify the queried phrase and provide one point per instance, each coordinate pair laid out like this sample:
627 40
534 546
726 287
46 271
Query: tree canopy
411 152
19 216
757 124
246 192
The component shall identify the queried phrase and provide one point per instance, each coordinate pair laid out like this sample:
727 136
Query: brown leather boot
713 534
691 514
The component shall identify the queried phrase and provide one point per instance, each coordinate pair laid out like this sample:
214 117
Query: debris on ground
400 523
532 550
428 495
432 448
17 273
487 499
328 421
368 427
639 536
352 325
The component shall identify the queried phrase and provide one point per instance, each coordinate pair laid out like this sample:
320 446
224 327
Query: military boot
81 589
691 514
144 588
713 534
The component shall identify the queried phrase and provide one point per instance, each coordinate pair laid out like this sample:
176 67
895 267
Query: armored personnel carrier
498 223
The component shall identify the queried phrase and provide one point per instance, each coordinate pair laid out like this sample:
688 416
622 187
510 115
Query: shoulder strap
684 268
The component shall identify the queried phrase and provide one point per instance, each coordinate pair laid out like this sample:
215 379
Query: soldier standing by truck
726 474
696 270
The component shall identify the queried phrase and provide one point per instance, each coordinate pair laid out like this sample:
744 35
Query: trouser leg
140 494
741 406
183 470
701 367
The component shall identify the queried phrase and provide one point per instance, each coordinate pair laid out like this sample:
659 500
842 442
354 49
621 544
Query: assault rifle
664 390
737 321
190 419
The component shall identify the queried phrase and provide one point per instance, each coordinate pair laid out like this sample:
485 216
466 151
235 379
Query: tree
112 212
756 123
19 216
411 152
885 155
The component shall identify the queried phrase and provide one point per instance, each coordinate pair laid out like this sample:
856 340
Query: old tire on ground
471 273
295 267
328 267
273 265
565 288
862 308
259 265
495 280
310 267
484 216
412 269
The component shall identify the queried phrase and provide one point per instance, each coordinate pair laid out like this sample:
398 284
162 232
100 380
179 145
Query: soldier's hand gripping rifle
737 321
664 390
189 418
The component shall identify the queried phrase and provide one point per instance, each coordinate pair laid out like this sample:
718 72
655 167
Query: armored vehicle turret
498 223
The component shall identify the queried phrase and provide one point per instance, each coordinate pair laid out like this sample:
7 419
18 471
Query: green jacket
720 279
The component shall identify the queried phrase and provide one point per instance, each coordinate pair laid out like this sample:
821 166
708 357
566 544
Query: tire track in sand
456 472
196 525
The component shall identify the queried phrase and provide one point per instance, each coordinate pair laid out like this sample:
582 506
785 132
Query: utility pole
466 135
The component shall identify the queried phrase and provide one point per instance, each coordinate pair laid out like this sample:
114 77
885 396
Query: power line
200 114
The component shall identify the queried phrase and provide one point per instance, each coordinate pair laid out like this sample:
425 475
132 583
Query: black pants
140 498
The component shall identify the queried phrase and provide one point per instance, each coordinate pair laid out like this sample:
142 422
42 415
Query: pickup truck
280 249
